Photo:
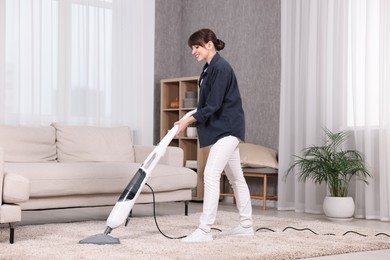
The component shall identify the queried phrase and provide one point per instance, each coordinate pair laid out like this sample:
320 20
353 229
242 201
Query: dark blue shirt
219 112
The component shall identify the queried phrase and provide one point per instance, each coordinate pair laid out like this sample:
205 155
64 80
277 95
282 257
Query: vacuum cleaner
127 199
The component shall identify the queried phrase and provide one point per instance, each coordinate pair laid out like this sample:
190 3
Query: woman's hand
183 124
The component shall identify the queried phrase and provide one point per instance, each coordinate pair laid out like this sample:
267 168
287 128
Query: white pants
224 155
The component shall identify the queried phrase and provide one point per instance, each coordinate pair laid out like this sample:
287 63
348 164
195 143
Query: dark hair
203 36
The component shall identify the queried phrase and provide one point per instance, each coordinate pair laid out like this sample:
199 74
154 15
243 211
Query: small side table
264 173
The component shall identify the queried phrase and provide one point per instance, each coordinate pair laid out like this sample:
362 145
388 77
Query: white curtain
336 74
81 62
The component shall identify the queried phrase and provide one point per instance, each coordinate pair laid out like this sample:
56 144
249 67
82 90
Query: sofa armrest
1 174
13 188
173 156
16 188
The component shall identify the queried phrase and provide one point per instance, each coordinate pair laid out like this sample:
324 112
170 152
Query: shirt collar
213 61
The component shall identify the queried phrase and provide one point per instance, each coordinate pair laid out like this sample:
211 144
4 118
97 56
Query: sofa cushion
28 144
16 188
94 144
67 179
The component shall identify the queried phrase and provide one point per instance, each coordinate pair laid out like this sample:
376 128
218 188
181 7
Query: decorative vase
339 208
174 104
192 132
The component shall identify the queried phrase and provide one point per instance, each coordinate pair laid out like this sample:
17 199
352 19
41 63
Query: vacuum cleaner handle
163 144
127 200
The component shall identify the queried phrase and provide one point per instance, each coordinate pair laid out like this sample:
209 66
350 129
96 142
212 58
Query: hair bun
219 45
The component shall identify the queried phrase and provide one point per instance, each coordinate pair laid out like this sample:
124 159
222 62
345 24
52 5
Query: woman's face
200 52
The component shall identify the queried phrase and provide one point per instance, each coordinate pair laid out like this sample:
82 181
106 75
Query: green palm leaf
330 164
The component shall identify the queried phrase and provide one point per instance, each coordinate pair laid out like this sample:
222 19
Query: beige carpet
141 240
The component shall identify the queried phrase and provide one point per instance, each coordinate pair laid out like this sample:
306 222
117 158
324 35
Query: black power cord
155 219
327 234
382 234
262 228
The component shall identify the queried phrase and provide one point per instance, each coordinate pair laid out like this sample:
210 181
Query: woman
221 124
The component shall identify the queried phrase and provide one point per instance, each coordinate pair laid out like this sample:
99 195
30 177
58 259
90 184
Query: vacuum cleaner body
126 201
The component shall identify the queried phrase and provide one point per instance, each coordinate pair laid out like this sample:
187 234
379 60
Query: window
364 64
58 48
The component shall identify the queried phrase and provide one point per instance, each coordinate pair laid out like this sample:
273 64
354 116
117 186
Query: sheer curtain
82 62
335 74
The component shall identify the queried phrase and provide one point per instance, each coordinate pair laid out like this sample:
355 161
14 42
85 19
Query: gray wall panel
251 31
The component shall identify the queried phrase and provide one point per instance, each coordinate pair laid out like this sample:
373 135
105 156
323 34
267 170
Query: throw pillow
257 156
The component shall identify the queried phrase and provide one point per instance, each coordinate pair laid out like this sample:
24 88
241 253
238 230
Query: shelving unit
173 93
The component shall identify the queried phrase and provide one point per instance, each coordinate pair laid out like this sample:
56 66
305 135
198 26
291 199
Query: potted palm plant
336 167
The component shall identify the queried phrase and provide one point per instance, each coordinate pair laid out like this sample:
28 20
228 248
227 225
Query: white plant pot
339 208
192 132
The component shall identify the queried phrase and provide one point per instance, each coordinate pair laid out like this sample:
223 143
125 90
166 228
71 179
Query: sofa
65 167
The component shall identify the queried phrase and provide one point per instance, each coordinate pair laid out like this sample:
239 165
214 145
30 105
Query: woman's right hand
183 124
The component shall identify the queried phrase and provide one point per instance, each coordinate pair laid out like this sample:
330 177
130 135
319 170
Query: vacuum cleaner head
100 239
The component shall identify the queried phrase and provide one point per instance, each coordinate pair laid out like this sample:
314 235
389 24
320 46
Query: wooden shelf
173 92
